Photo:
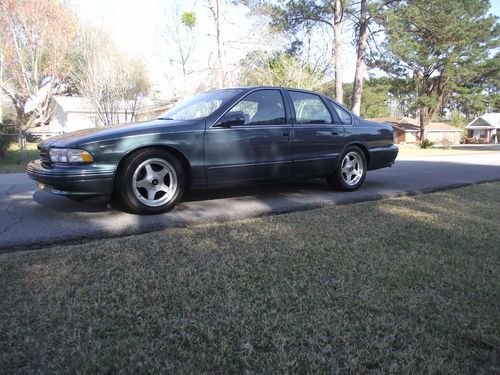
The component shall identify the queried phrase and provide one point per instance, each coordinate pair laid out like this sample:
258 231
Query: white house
71 113
68 113
485 128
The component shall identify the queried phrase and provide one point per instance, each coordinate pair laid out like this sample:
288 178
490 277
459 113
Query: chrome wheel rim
352 168
154 182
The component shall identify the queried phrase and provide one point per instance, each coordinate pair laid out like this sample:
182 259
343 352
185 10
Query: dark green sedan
219 138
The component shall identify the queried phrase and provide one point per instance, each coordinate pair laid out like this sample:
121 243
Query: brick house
485 128
407 130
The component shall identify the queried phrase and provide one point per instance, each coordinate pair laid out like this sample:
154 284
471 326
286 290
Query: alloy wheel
352 168
154 182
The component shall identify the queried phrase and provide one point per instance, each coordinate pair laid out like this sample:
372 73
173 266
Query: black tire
165 189
339 180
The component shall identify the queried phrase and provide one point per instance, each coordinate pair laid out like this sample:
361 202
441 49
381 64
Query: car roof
247 89
251 88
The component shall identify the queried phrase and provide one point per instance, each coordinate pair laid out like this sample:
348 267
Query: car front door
257 148
318 137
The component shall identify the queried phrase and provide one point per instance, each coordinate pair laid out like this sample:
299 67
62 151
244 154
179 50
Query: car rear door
258 149
318 135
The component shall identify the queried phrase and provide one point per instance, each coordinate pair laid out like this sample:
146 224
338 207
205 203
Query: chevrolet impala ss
219 138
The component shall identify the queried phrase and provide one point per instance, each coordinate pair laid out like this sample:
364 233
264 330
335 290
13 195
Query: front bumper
80 180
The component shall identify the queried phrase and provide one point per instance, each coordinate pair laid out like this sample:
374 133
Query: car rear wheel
351 171
150 181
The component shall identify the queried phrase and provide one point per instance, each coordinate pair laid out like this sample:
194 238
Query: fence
12 144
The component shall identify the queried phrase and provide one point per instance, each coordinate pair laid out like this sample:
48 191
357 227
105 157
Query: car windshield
200 106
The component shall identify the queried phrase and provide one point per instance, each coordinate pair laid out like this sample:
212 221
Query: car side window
309 108
263 107
344 116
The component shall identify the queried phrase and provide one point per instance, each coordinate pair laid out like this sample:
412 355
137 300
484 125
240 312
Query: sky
136 26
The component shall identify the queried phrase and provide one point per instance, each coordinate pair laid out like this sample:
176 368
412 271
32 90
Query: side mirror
231 118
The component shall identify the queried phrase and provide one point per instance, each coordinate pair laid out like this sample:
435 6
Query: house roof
156 107
486 121
396 120
406 124
411 125
73 103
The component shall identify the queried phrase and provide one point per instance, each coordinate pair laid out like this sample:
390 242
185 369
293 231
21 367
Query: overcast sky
134 25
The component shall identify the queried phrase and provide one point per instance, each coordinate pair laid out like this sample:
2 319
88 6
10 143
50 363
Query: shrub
470 140
426 144
6 137
32 138
447 144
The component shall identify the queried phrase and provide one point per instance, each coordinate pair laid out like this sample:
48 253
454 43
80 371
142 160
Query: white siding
439 136
410 137
78 121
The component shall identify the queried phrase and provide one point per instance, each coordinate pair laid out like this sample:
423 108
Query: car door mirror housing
231 119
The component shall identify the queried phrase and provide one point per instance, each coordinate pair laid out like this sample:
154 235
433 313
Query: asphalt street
31 218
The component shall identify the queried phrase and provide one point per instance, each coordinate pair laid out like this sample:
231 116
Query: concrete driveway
32 218
485 147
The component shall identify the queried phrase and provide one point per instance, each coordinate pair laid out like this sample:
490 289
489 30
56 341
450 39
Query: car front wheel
351 171
150 181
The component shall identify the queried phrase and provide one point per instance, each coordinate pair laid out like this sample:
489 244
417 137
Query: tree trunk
1 85
219 50
425 117
20 139
215 9
337 33
360 59
22 120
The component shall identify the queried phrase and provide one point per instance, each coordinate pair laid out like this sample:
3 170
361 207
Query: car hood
84 136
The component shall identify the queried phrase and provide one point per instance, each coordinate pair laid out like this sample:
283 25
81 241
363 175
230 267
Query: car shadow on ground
55 219
66 205
256 190
377 184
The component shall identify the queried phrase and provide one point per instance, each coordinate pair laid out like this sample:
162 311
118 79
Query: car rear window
309 108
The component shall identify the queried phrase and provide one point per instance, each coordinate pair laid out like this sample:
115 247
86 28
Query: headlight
68 155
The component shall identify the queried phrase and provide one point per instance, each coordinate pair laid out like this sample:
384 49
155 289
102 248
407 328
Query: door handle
334 132
286 134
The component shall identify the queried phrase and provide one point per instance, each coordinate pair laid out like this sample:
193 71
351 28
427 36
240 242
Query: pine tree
440 43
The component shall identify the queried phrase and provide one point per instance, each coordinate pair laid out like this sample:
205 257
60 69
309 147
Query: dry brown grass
407 285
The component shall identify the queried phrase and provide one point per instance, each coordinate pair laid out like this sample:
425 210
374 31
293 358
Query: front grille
44 155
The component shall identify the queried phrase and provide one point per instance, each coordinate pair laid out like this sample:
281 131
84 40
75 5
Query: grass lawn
408 285
11 161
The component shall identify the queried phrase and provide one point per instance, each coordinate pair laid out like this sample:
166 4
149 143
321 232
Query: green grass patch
11 161
408 285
